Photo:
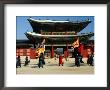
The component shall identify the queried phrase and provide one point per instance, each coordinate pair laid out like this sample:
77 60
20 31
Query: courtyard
51 67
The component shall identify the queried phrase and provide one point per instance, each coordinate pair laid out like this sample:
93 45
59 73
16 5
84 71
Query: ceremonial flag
42 44
76 43
41 48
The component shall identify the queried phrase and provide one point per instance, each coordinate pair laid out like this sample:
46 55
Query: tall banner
76 43
41 48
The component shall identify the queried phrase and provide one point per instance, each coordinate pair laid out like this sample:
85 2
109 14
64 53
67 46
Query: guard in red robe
60 60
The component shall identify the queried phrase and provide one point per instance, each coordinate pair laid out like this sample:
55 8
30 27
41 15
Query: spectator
77 60
41 60
60 60
18 62
26 61
90 60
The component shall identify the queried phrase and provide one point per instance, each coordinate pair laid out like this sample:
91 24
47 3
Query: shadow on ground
52 65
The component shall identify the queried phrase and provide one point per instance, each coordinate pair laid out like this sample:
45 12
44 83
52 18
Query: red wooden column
81 49
32 53
67 49
65 54
52 51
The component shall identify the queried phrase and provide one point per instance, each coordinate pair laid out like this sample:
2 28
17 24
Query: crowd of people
18 61
77 56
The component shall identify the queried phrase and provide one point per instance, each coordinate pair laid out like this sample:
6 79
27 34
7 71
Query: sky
22 24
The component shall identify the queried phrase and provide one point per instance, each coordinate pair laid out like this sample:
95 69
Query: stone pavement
51 67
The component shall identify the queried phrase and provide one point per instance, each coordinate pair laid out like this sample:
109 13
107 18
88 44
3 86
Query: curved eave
57 38
57 26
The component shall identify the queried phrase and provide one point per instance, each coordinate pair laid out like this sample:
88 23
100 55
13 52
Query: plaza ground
52 67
